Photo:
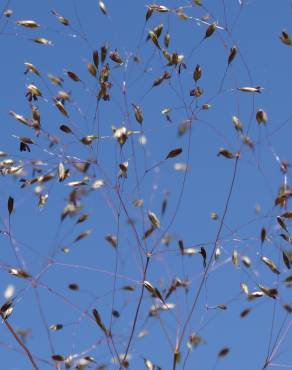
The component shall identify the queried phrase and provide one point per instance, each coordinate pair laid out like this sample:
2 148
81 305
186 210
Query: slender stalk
20 342
210 260
136 314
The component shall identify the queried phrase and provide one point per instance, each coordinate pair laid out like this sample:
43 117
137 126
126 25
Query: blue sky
38 236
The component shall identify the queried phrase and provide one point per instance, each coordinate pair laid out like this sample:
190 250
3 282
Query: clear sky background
34 238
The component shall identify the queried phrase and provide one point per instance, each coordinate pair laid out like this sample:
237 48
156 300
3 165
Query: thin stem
20 342
136 314
211 257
